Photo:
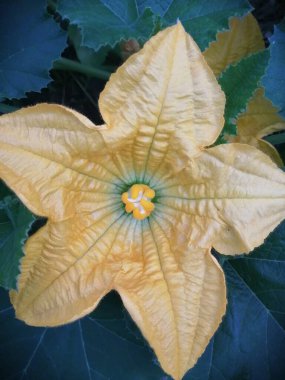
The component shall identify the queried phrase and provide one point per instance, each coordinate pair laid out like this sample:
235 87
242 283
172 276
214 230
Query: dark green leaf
15 221
5 108
281 150
86 55
98 347
159 7
264 273
250 343
239 81
4 190
106 22
203 19
30 41
274 80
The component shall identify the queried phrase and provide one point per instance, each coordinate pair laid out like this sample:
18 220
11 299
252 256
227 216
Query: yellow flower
136 205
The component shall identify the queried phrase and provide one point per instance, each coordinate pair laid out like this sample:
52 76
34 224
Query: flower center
138 201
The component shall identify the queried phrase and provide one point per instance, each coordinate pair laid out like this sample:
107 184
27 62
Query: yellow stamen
138 201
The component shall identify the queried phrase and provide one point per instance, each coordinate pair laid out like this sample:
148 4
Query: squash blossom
136 204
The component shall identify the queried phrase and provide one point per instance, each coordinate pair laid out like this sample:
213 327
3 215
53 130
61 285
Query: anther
138 201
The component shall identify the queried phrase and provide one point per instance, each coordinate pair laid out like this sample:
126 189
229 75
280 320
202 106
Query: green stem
68 64
85 91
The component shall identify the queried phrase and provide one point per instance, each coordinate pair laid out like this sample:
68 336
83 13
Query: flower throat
137 200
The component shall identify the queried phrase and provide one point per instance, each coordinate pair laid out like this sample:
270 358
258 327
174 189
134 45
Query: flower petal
232 196
48 157
165 92
260 115
64 272
260 144
175 293
260 119
243 38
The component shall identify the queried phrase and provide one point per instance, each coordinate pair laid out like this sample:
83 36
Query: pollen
137 200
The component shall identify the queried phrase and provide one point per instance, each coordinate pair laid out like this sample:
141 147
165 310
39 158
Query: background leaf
274 80
239 81
250 342
98 347
203 18
30 41
159 7
15 220
106 22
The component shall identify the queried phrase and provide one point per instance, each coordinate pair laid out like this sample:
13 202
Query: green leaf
106 22
85 55
30 41
203 19
281 151
15 220
250 342
4 190
159 7
274 79
98 347
264 274
239 81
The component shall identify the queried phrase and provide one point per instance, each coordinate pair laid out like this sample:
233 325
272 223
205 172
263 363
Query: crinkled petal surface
63 273
163 94
233 194
48 157
176 294
161 108
243 38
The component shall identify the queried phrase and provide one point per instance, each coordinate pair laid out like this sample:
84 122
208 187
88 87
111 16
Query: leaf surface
107 22
239 81
250 342
195 14
15 220
260 119
242 39
30 42
274 81
98 347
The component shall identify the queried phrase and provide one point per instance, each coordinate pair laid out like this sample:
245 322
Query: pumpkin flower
135 205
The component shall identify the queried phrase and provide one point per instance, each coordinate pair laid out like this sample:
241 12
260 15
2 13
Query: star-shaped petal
162 108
